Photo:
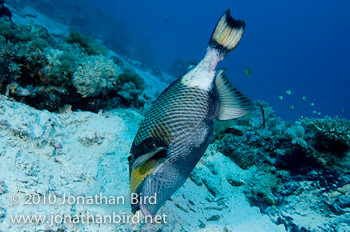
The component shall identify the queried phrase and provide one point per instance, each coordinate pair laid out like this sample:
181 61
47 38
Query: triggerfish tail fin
226 35
232 103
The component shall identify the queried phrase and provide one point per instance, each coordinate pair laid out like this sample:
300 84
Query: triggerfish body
179 126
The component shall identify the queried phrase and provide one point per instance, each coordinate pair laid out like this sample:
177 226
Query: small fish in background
280 97
289 92
303 98
343 110
165 20
292 107
312 104
248 72
29 15
179 126
314 111
319 113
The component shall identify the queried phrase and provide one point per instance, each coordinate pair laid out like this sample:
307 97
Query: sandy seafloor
83 154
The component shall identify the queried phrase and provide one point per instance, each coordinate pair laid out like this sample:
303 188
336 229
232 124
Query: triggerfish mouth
176 131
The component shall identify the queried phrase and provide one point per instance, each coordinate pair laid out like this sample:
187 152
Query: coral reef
297 135
22 56
247 140
89 45
329 139
134 78
333 133
132 86
129 91
96 75
37 70
261 187
302 170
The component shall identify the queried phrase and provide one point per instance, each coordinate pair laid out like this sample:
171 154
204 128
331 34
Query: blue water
297 45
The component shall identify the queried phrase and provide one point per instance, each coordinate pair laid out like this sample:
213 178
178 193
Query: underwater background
300 46
288 45
77 77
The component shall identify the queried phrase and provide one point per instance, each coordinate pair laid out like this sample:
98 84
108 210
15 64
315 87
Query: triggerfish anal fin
143 158
232 103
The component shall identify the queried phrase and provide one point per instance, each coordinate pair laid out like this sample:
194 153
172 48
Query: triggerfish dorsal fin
232 103
143 158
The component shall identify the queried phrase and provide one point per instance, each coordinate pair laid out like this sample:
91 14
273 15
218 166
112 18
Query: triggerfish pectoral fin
232 103
142 167
142 159
138 175
162 183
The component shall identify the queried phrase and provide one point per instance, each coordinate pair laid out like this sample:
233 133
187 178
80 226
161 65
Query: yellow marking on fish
139 174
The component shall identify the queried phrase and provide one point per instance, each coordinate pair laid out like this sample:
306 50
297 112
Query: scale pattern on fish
178 128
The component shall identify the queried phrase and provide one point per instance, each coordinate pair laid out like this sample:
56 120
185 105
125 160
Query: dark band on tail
227 33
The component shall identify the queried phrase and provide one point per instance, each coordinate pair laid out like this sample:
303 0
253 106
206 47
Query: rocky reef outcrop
302 172
40 71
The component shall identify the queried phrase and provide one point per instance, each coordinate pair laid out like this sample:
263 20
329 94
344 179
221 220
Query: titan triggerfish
177 129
